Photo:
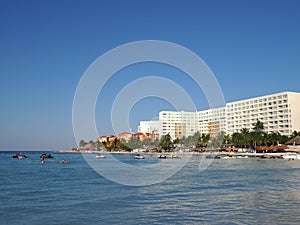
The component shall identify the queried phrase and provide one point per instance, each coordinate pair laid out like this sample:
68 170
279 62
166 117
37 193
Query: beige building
125 136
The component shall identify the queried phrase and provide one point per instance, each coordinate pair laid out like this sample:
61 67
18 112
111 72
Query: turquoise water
240 191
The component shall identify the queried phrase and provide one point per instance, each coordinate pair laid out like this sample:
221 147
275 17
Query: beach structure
294 144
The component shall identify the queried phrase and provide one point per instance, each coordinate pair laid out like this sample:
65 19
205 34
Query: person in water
43 159
64 161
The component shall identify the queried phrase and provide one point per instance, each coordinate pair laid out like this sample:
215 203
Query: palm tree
274 137
257 135
166 142
237 139
226 139
204 139
82 143
294 134
258 126
245 137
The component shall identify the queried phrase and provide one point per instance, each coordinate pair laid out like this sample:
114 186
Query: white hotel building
279 112
149 126
212 121
178 124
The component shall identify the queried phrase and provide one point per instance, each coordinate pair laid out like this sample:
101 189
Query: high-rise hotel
279 112
178 124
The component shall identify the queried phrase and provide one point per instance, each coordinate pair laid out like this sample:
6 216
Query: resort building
212 121
178 124
279 112
150 126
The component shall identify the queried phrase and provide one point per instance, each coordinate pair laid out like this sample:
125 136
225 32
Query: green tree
98 145
176 141
82 143
274 138
106 145
134 143
257 136
258 126
166 142
237 139
204 139
245 137
294 134
226 139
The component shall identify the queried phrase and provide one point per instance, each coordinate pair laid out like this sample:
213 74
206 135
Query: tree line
245 138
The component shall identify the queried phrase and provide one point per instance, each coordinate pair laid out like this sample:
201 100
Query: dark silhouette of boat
19 156
46 156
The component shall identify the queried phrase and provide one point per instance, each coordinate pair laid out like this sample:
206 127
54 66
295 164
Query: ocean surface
234 191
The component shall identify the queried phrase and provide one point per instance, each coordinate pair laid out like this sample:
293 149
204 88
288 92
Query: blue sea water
240 191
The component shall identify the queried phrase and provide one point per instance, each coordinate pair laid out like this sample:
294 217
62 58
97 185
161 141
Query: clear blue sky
252 47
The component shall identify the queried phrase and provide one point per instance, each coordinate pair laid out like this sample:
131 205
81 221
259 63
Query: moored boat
138 156
174 157
291 156
162 156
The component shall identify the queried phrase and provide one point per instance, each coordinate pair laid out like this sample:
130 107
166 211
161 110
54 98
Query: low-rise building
125 136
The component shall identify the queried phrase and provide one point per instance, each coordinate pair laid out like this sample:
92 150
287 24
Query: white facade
149 126
279 112
178 124
212 121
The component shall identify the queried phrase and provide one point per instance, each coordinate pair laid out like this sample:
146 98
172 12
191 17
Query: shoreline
208 152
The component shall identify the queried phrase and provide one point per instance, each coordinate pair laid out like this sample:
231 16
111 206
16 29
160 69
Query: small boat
100 156
174 157
211 156
242 157
291 156
162 157
138 156
19 156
